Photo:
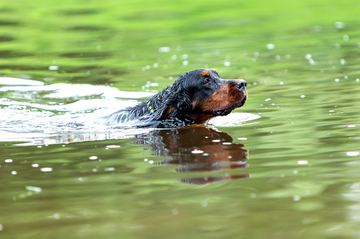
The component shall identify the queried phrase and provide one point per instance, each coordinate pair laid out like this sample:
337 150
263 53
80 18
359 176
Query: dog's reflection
197 149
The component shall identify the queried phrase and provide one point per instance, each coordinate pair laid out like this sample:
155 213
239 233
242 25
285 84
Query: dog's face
212 96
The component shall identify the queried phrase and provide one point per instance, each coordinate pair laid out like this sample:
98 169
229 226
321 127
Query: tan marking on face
215 71
227 95
205 73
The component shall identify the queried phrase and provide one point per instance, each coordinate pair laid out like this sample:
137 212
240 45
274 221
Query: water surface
286 165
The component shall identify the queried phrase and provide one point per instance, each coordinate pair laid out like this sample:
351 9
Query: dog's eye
206 80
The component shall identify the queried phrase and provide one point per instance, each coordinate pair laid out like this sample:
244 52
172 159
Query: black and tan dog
194 98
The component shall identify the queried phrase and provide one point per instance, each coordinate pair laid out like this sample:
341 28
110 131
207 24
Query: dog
193 98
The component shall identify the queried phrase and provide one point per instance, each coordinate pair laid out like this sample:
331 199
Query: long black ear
177 103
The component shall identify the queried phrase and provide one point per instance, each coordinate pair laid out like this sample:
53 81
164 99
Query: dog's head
202 95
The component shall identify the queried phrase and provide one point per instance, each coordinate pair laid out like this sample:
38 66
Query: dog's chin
227 110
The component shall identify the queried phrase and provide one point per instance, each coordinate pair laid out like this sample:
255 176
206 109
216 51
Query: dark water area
285 165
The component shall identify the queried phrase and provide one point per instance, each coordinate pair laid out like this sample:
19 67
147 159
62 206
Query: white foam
18 81
233 119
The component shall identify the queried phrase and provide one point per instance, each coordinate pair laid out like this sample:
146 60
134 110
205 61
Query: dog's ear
176 103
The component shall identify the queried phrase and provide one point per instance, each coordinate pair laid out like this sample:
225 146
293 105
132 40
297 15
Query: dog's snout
240 84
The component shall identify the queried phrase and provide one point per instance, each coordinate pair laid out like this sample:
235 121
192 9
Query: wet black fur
185 89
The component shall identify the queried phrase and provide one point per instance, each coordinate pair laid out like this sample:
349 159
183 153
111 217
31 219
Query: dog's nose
240 84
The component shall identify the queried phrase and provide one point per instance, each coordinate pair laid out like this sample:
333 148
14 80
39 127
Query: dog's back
125 115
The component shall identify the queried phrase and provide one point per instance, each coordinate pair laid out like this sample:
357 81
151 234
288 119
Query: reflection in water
197 149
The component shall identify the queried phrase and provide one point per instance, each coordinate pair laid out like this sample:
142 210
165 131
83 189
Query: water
286 165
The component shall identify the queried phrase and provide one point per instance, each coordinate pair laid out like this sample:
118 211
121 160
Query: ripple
6 38
87 28
14 54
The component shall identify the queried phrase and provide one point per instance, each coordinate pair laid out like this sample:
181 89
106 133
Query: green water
293 173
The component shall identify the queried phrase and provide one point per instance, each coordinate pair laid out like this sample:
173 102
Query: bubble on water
34 189
99 47
56 216
93 157
270 46
339 25
35 165
357 79
352 153
256 54
147 67
302 162
346 37
312 62
268 99
151 162
337 80
204 204
302 96
46 169
308 56
317 28
337 46
8 160
174 57
226 63
277 57
253 195
1 227
145 159
185 63
179 48
342 61
253 59
13 172
244 68
109 169
345 77
175 211
164 49
295 171
53 68
112 146
156 65
281 83
288 56
196 151
185 56
296 198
